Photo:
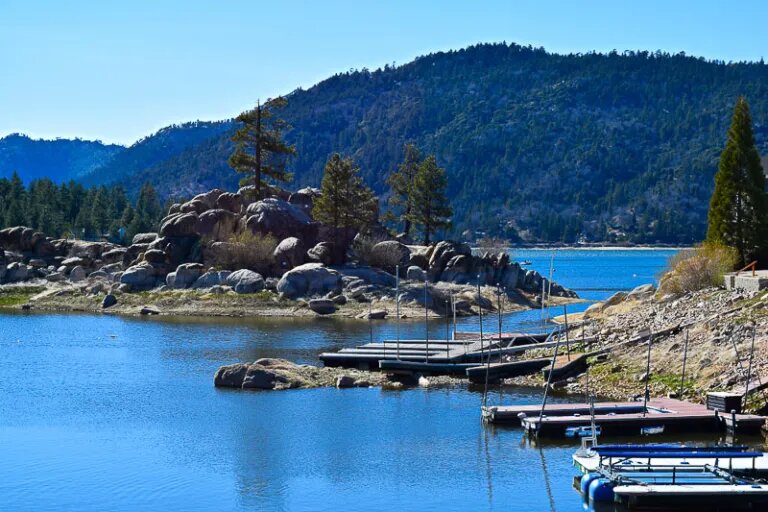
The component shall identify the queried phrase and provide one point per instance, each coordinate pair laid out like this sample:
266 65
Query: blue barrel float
601 490
587 479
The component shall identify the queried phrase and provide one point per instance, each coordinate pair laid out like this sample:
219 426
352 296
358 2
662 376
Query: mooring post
447 330
397 308
480 309
567 341
546 389
749 373
685 359
426 319
646 396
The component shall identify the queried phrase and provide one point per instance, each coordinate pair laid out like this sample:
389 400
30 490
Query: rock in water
377 314
245 281
345 381
109 301
231 376
322 306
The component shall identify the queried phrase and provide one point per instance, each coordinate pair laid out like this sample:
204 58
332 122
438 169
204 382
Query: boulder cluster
309 259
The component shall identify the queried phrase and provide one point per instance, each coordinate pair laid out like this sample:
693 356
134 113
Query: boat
669 476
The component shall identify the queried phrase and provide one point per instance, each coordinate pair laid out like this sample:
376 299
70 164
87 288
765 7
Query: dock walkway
624 418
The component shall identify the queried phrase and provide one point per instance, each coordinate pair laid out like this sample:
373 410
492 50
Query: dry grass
363 248
699 268
246 250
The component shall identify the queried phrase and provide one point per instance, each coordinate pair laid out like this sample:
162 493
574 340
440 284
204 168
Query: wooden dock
624 418
466 348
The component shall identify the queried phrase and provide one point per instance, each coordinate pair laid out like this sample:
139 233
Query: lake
107 413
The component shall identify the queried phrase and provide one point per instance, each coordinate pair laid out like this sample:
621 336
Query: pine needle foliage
738 209
345 200
260 152
430 208
401 184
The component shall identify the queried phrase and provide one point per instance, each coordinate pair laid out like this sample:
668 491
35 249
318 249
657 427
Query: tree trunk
257 173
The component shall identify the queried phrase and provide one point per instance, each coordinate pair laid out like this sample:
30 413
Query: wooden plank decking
624 418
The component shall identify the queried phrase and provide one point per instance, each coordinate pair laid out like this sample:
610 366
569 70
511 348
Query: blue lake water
106 413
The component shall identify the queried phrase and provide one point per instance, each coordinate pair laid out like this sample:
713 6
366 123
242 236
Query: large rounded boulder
389 254
230 201
245 281
281 219
139 277
289 253
180 224
309 279
217 224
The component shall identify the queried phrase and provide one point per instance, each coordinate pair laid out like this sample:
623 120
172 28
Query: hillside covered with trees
536 146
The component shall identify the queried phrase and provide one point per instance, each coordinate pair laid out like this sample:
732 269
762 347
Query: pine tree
431 210
738 209
345 200
147 212
260 152
401 183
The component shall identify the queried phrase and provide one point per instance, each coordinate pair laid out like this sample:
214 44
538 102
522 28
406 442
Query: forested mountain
536 145
60 159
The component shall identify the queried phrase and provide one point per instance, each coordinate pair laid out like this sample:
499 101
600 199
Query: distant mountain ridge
59 159
537 146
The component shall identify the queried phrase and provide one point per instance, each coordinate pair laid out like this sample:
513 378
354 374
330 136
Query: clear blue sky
117 71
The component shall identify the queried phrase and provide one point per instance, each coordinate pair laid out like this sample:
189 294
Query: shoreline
192 303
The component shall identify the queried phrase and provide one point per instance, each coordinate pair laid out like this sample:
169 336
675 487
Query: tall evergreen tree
401 183
260 152
738 209
345 201
430 210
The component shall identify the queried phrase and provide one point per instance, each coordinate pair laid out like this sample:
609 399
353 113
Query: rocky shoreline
212 256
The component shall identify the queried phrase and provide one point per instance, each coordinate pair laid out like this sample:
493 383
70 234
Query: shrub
698 268
246 250
363 247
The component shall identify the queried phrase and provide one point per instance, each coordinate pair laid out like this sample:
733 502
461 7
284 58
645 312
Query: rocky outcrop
279 374
308 280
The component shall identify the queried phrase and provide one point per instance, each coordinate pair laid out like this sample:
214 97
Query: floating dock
624 418
670 476
465 348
